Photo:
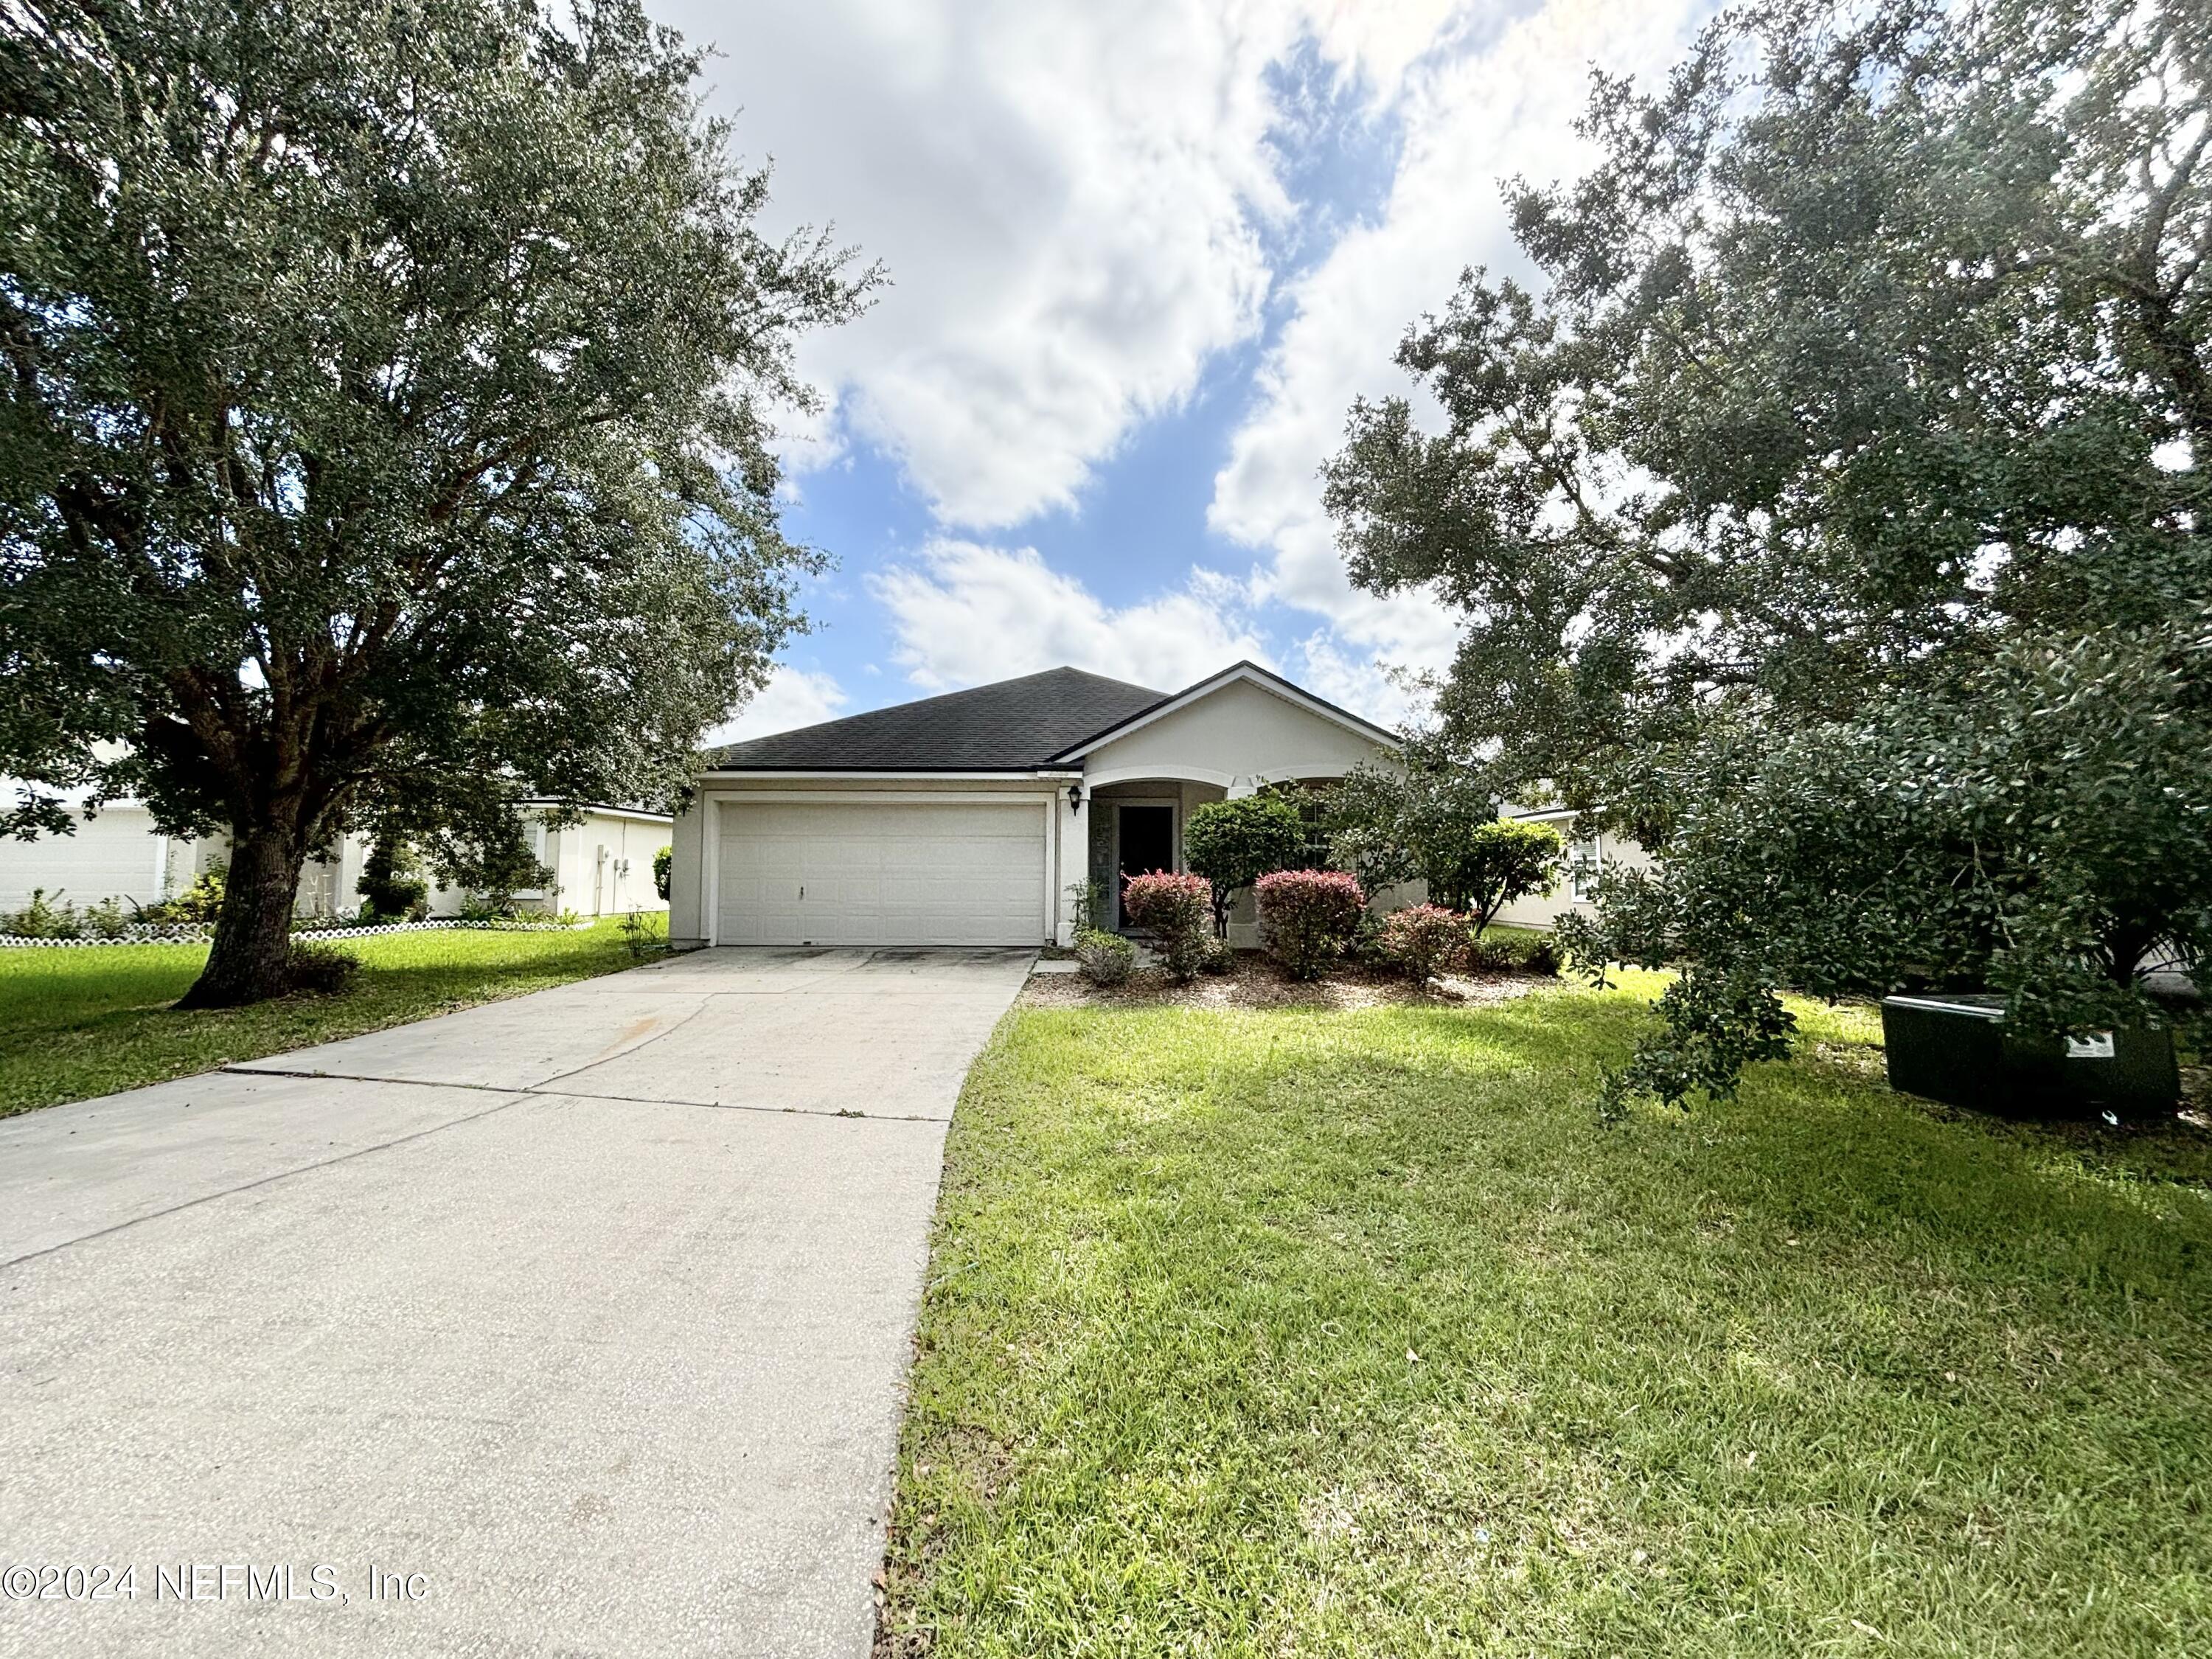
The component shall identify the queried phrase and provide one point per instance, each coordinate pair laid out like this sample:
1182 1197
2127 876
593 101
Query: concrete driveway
574 1324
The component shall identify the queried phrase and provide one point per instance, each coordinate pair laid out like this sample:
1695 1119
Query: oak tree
1831 512
386 427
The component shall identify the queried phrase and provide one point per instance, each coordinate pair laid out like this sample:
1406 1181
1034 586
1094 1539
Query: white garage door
865 873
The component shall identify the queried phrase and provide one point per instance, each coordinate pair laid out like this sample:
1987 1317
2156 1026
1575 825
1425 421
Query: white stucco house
602 865
967 818
1589 854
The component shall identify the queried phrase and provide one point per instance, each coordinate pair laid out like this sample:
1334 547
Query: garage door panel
870 873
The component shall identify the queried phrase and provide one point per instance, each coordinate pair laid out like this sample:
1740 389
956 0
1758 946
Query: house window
1585 863
539 841
1313 817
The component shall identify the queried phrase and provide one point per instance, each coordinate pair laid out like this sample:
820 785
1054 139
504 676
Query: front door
1147 843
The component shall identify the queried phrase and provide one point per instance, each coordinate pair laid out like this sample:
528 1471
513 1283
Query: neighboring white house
1587 856
967 818
601 866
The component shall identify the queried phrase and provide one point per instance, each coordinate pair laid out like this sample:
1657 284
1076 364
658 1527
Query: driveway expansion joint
515 1098
547 1092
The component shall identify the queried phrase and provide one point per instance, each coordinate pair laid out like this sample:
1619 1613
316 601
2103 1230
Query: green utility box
1956 1049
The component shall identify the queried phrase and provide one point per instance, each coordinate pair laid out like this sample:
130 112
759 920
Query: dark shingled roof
1014 725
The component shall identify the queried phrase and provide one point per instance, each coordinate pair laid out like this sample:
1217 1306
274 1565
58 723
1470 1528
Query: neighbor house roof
1013 725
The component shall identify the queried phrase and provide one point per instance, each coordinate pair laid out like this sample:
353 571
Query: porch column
1074 863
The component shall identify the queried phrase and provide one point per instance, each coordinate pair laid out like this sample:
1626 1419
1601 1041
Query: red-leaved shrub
1178 911
1307 917
1426 939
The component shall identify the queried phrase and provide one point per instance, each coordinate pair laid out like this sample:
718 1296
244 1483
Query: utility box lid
1982 1005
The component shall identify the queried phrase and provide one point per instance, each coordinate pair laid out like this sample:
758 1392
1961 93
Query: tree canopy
1436 820
1831 515
387 425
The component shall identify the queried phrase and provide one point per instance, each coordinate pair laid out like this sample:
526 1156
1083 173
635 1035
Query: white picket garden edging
185 933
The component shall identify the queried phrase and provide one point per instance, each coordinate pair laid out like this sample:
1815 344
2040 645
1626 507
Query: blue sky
1142 258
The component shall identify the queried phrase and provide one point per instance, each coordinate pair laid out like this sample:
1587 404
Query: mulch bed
1256 982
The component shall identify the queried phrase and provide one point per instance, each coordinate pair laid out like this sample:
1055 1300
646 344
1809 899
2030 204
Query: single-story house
602 865
977 818
1588 856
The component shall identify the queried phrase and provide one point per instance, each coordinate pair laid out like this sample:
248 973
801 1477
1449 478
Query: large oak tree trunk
249 960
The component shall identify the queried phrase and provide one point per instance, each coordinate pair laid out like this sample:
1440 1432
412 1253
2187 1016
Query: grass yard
1354 1333
79 1022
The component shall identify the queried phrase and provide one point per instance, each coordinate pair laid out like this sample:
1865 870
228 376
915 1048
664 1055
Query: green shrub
45 917
199 905
663 862
1087 902
645 934
1104 958
1438 820
105 920
391 886
1542 956
1425 940
1232 843
1492 955
1309 918
321 970
1219 958
1178 911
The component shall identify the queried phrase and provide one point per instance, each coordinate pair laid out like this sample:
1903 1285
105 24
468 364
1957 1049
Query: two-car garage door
881 873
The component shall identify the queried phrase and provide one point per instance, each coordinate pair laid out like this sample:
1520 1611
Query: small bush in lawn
1308 918
1424 940
392 886
663 862
645 934
43 918
1542 956
321 970
1178 911
1514 953
199 904
106 919
1491 956
1104 958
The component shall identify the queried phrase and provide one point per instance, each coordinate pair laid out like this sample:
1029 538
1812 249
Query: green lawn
1297 1331
78 1022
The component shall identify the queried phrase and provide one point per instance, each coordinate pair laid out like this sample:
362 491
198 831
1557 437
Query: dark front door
1147 842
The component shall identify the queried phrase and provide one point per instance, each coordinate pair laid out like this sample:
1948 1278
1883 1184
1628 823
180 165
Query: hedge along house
967 818
601 865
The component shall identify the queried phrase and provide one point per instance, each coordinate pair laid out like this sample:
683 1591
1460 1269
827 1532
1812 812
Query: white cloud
968 613
1076 204
1068 198
1364 682
1471 119
793 697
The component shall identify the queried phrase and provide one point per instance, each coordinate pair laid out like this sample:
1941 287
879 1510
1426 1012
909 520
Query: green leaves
1232 843
388 413
1438 821
1832 518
